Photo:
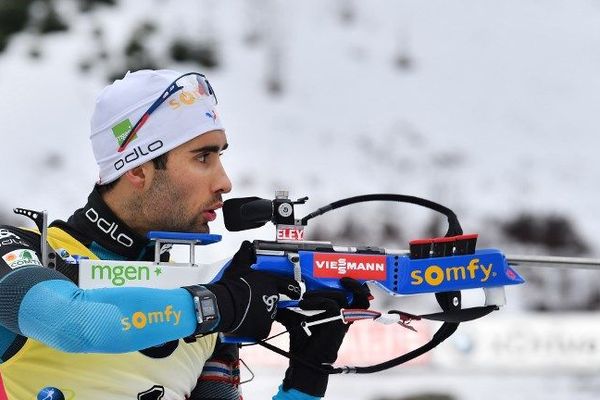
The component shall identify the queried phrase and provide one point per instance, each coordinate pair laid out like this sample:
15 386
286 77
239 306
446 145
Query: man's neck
126 209
98 225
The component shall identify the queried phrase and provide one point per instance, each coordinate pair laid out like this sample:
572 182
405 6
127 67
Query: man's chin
204 228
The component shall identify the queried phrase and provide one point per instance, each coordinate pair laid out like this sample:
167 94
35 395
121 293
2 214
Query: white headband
184 115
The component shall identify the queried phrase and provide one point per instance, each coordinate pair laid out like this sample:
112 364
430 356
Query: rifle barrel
554 262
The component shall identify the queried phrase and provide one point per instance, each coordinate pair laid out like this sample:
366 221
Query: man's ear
140 177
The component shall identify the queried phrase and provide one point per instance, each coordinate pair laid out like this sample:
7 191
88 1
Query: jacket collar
103 231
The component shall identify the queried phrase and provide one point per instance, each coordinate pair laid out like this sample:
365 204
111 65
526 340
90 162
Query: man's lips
209 214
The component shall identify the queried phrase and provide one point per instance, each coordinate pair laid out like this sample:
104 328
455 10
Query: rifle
442 265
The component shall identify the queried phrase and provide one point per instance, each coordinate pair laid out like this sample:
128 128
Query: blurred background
489 107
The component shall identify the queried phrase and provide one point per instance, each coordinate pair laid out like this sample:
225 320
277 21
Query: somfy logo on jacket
141 319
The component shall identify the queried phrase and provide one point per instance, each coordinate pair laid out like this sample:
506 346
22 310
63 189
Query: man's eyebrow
210 149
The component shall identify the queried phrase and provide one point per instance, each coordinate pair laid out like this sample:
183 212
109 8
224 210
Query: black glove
246 298
321 347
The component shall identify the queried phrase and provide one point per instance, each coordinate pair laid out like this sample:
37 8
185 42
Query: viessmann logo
435 275
357 266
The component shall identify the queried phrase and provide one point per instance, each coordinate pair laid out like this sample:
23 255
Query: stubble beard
160 208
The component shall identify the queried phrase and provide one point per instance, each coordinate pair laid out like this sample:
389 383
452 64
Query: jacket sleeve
41 303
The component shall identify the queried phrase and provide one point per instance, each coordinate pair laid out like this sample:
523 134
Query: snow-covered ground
490 107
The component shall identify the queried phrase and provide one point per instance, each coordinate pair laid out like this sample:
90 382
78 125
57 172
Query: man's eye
202 157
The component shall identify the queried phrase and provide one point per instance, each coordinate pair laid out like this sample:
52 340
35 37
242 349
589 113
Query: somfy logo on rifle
435 275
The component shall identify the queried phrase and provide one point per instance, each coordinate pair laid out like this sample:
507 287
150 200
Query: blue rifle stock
397 274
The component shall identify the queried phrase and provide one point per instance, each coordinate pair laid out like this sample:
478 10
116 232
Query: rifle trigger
404 319
407 326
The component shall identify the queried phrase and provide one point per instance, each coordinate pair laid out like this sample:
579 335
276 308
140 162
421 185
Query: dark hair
159 162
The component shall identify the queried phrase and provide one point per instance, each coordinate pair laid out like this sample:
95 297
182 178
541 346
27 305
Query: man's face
185 195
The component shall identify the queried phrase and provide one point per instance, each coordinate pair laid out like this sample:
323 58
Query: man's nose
222 182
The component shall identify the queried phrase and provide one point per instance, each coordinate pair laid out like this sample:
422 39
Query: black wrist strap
206 307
